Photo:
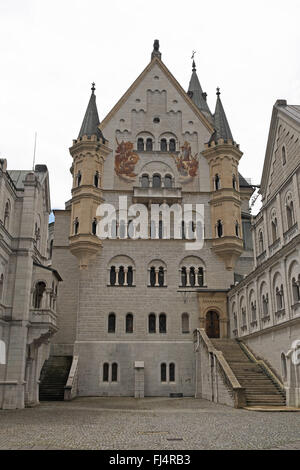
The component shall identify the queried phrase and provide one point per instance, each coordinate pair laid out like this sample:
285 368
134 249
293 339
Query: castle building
28 284
264 307
128 306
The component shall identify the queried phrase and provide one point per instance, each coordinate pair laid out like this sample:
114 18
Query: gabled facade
127 307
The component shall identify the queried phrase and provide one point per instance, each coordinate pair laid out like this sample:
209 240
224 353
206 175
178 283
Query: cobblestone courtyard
150 423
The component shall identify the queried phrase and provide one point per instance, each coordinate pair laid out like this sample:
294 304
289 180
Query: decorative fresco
187 164
125 160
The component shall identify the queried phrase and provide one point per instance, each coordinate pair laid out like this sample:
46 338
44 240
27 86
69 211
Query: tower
223 155
89 151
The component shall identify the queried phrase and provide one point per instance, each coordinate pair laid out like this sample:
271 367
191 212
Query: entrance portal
212 324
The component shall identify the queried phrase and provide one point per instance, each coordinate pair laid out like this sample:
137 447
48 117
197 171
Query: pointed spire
222 129
91 120
196 94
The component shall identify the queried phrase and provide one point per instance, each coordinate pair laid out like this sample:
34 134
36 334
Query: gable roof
188 100
290 111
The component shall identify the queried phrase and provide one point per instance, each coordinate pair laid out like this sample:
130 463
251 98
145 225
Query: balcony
156 195
290 233
43 317
296 309
261 258
274 247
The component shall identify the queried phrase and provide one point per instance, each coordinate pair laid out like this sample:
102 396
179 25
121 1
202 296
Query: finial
218 91
93 87
156 52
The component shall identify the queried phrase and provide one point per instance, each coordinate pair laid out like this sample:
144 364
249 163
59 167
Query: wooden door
212 326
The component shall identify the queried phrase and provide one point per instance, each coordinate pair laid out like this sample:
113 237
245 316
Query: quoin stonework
145 316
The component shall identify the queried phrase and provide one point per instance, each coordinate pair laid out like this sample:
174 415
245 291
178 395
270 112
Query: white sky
51 51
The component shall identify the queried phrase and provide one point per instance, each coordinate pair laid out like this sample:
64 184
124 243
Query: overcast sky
51 51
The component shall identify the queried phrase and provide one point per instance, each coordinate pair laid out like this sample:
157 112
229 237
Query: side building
265 307
28 285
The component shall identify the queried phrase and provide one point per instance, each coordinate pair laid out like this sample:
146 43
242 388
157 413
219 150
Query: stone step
54 376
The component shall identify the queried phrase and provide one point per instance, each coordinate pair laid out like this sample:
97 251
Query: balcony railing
261 258
290 233
43 316
274 247
157 194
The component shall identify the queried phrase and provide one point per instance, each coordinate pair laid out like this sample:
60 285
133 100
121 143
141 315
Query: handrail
227 372
70 391
261 363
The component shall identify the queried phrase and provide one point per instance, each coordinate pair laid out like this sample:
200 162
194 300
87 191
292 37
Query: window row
156 181
110 372
96 179
279 303
190 276
165 145
156 323
217 182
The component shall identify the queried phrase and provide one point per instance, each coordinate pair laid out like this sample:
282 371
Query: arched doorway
212 324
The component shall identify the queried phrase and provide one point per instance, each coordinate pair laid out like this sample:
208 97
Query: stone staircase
260 388
54 376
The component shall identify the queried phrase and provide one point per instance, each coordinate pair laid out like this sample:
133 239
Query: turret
197 95
89 151
223 156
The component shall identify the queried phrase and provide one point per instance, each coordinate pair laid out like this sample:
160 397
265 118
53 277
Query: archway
212 324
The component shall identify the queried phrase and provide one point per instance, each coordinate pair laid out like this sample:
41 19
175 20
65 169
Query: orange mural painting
125 160
187 164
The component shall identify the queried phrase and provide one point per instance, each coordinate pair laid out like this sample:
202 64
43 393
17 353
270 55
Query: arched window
172 372
253 311
38 294
192 276
153 229
105 372
161 276
7 215
76 226
163 372
274 228
1 286
244 318
140 144
152 276
121 276
234 182
185 323
172 145
94 226
114 372
111 323
296 290
235 325
283 155
112 276
162 323
51 249
129 323
265 301
152 323
160 229
290 214
237 229
96 179
219 229
279 298
183 277
182 230
145 181
283 367
200 277
156 181
129 276
163 145
168 181
217 182
261 241
78 178
149 144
